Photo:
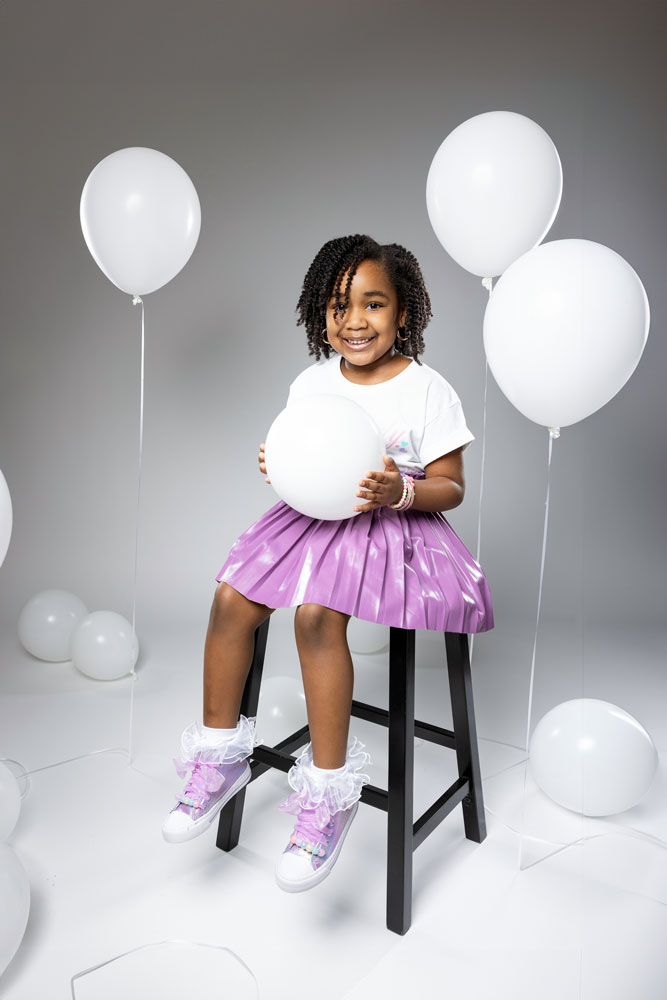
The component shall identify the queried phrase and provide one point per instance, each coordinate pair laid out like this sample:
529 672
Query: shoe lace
308 830
204 780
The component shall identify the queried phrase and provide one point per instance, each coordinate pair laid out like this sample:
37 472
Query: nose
355 318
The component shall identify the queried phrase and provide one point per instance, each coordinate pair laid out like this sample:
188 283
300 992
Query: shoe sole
322 872
202 824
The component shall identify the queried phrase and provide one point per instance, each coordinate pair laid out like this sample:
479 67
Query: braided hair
332 271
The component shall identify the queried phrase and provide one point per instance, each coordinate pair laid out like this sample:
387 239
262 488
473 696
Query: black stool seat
403 835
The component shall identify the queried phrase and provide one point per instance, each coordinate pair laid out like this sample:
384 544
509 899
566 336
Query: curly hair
339 259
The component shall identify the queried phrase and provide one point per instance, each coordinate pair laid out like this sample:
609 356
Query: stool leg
229 824
400 778
465 733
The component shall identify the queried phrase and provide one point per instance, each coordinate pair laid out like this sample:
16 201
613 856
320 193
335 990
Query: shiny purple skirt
410 570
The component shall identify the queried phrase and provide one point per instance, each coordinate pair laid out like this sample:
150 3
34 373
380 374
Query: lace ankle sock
214 737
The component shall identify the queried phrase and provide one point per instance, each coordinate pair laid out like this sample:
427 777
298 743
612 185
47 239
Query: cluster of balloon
141 217
55 626
317 449
567 322
592 757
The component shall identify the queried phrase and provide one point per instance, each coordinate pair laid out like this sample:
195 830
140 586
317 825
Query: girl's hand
262 461
381 488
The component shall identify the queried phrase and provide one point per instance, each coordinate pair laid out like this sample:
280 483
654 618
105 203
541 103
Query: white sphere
564 330
141 217
367 637
592 757
104 646
317 451
10 801
5 518
493 190
15 896
46 624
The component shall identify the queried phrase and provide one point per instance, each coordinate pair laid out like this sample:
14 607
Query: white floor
587 921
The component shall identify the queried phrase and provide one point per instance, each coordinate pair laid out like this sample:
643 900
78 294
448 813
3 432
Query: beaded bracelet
408 495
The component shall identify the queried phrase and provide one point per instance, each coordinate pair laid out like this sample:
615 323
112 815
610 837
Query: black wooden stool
403 836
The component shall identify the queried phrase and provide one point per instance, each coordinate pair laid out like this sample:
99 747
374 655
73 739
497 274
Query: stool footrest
423 730
427 822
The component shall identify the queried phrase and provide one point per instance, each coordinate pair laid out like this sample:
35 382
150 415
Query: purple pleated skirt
410 569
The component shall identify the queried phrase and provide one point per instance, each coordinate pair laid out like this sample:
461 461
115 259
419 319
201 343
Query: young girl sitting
397 561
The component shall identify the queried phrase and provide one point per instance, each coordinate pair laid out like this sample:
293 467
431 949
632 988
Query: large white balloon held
493 190
141 218
317 449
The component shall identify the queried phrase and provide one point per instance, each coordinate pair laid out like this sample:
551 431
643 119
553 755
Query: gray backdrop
299 121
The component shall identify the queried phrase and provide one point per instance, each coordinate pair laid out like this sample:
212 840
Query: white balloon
367 637
281 710
5 518
46 624
10 801
141 218
104 646
15 896
317 450
592 757
493 190
564 329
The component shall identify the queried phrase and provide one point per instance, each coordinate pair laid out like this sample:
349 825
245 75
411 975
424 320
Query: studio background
298 122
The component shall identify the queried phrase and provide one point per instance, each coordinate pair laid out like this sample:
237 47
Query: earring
401 329
324 337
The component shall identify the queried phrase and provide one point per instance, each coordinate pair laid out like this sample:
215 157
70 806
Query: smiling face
364 331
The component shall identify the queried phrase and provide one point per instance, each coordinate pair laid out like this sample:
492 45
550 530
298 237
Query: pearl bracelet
408 495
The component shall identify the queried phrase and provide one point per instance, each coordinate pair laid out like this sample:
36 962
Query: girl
397 562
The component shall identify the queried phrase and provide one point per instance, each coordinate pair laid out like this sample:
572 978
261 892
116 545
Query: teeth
367 340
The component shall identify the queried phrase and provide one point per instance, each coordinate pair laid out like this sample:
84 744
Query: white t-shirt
418 411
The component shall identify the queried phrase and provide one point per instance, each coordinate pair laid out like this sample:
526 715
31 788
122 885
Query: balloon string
488 284
137 300
168 941
554 432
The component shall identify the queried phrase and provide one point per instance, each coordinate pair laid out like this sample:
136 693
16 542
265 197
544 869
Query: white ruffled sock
325 772
215 737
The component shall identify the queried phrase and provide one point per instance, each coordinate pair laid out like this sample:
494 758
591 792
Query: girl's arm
444 486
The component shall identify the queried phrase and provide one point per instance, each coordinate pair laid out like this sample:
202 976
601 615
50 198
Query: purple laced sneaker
314 845
209 787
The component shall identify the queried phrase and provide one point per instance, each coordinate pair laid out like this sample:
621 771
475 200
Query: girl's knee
229 606
313 621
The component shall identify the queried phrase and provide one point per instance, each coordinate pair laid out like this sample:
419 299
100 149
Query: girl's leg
228 654
328 680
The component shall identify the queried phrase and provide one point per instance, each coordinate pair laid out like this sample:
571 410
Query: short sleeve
445 427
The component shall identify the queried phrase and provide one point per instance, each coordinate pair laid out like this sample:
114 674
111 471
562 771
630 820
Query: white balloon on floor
564 329
46 624
367 637
317 450
493 190
15 896
104 646
141 217
592 757
281 710
10 801
6 518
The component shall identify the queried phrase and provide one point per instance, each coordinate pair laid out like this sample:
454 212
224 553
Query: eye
373 305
